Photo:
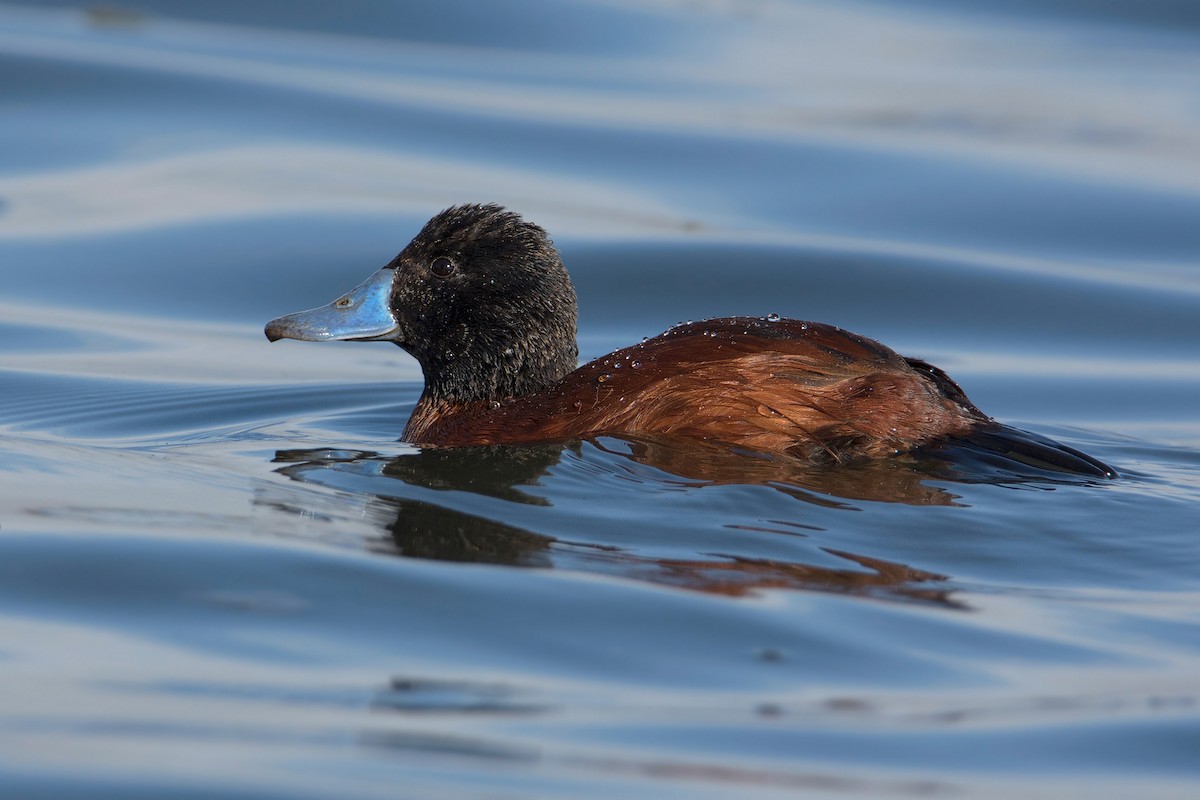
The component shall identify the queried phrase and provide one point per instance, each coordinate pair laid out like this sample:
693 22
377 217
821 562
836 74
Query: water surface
223 576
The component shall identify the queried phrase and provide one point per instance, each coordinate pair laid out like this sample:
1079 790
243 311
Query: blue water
221 575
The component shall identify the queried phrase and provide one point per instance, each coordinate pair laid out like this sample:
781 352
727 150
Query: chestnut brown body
810 389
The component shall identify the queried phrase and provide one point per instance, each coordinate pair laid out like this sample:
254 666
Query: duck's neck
492 366
460 388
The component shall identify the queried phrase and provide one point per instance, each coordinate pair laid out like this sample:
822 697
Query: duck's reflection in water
700 463
439 503
443 524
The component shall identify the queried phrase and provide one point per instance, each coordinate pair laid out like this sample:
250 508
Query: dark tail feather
1034 451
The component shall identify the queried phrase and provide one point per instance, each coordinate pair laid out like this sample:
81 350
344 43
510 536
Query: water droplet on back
773 317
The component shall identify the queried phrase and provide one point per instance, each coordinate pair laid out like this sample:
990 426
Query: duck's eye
442 267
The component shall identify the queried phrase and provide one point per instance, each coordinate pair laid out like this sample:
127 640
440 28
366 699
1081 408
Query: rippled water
222 576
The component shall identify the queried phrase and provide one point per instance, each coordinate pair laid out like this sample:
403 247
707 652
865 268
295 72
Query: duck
482 300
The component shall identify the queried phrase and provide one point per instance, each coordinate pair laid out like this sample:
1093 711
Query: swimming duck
481 299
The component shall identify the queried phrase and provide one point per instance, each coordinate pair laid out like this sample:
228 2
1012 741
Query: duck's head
480 298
